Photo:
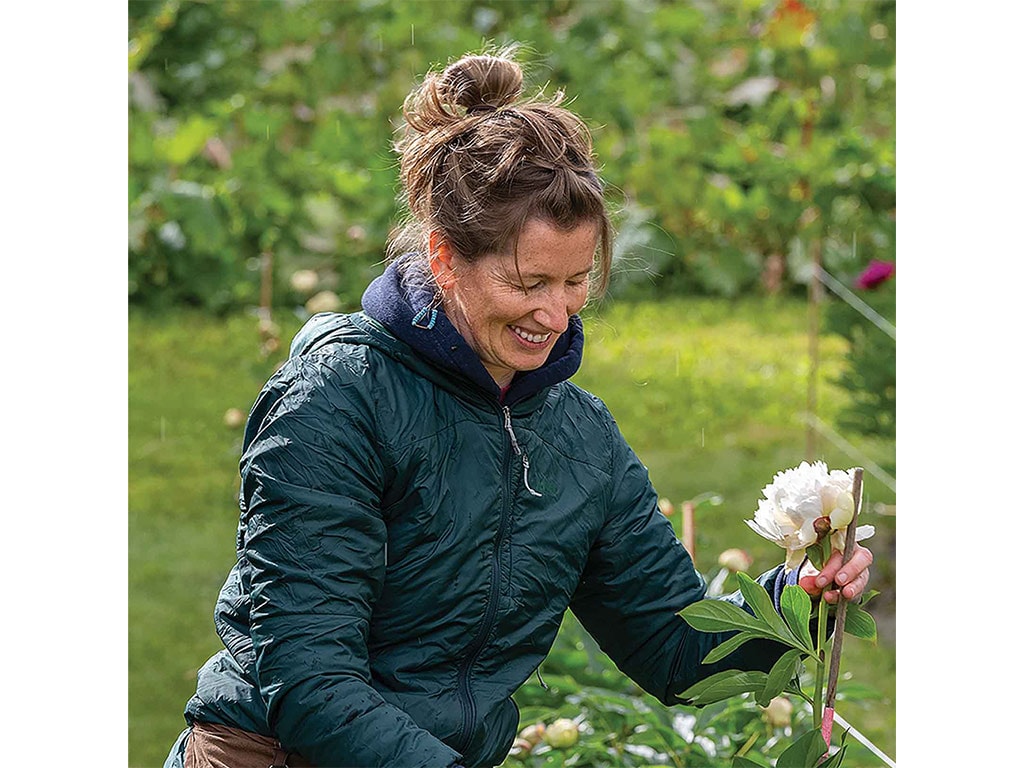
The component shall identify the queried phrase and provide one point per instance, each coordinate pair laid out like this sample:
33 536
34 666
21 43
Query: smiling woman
506 210
511 311
423 491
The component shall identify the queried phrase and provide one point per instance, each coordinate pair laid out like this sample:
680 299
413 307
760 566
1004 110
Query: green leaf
746 762
816 554
729 646
186 142
804 752
868 597
834 760
721 616
760 601
796 608
783 671
724 685
860 623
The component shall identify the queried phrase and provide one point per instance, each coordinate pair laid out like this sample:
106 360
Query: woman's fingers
841 573
851 577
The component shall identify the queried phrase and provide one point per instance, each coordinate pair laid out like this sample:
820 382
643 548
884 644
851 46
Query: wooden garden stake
689 535
837 637
266 283
815 294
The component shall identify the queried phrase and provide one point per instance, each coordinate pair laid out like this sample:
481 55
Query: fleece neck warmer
405 309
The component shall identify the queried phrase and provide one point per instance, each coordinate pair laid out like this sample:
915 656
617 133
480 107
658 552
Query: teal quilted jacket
408 544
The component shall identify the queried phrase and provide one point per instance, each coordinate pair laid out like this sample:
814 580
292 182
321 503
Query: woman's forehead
544 248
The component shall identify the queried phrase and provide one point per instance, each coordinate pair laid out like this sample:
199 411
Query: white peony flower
803 505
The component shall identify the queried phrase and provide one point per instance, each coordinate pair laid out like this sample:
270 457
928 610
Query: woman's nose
554 313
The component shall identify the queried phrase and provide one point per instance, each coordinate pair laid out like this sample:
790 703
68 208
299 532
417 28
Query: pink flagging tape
826 724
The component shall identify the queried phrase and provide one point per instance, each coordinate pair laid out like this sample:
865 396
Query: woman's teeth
535 338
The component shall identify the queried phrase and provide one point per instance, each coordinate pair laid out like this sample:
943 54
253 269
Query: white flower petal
794 557
865 532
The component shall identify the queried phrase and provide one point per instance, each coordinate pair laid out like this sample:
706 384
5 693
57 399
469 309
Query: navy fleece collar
395 304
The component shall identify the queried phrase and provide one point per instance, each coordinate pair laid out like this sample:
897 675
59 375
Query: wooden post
266 284
814 295
689 535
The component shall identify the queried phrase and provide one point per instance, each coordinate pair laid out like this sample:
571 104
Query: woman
423 491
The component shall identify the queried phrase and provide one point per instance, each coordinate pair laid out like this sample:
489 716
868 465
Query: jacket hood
405 309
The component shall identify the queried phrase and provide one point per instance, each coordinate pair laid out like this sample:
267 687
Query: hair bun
482 83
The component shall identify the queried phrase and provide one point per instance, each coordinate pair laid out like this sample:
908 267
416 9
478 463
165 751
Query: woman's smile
535 340
512 311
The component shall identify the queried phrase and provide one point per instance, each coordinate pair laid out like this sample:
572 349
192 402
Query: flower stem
819 674
746 747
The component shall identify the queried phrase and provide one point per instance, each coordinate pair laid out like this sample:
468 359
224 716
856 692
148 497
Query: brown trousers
218 746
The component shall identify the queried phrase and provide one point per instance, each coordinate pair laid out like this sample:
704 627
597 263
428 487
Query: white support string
818 425
854 301
869 466
864 740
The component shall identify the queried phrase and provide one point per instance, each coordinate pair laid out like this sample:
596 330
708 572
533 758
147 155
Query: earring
417 319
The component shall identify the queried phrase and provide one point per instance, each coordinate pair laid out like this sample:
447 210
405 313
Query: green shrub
869 375
741 129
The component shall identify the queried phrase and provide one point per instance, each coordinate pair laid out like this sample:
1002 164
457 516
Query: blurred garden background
749 151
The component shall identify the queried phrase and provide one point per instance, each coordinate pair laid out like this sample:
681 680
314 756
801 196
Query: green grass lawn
710 393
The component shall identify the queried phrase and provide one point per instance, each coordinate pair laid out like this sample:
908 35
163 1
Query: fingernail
842 578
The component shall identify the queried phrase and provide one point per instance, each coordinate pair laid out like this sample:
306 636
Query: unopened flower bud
268 328
562 733
735 560
233 418
532 734
666 507
822 526
305 281
521 746
325 301
779 712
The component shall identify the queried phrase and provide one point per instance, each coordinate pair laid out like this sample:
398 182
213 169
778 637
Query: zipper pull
519 451
541 680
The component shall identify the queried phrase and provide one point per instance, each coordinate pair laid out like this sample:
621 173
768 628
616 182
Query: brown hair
477 162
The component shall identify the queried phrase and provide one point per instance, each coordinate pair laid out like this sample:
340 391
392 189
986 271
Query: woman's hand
851 577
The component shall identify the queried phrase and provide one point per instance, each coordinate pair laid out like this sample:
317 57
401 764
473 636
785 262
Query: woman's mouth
532 338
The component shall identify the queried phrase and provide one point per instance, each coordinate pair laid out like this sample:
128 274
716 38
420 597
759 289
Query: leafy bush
617 724
731 135
869 375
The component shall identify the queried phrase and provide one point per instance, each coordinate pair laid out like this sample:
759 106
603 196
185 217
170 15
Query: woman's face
512 319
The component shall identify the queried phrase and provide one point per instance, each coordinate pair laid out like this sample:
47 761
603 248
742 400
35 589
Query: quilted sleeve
312 548
637 579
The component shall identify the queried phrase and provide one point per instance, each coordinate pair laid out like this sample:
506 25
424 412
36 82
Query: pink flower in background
876 273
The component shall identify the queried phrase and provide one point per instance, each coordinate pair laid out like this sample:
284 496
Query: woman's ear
440 258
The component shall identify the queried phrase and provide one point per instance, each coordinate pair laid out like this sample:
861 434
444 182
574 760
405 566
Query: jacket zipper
519 452
490 615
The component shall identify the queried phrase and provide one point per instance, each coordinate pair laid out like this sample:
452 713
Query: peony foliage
807 511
